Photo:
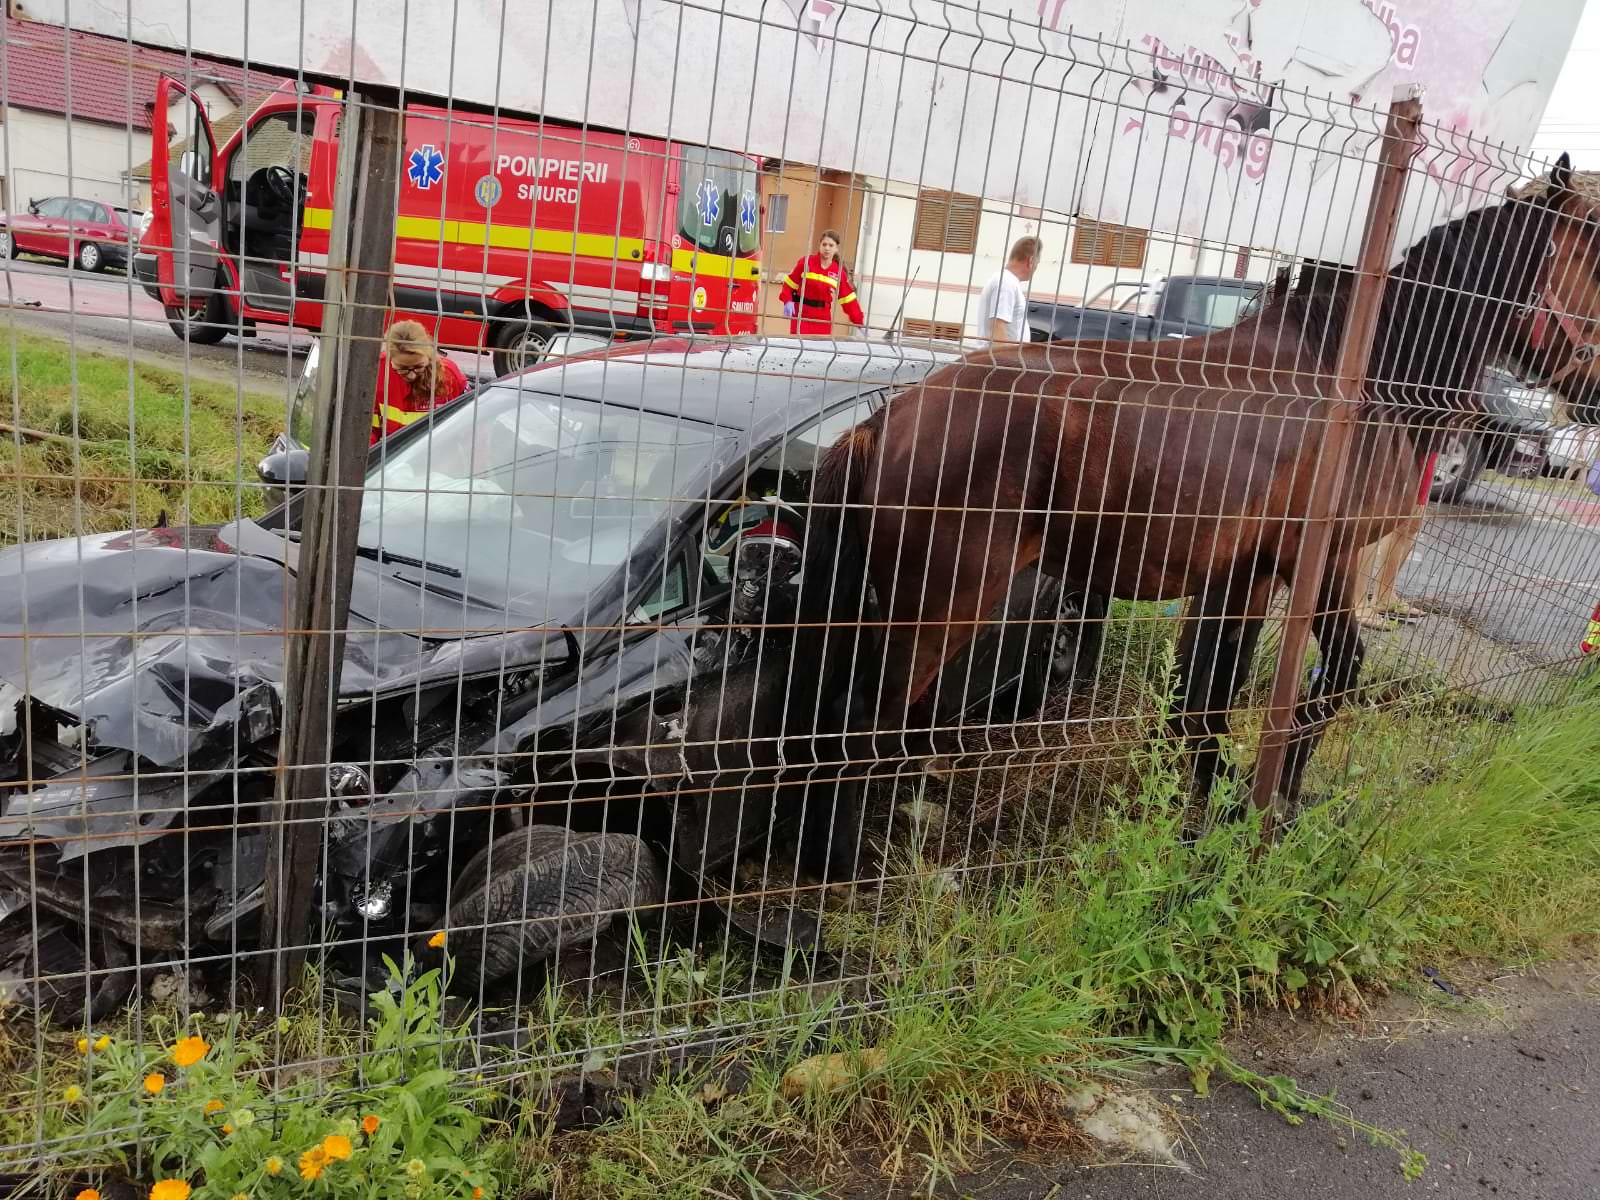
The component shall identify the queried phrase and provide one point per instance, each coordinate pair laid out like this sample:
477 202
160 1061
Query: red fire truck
508 231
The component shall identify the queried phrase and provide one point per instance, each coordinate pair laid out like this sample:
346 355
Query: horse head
1553 341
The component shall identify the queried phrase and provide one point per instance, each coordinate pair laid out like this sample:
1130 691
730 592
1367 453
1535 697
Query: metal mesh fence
708 587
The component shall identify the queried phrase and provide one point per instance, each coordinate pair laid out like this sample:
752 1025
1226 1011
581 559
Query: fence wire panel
730 593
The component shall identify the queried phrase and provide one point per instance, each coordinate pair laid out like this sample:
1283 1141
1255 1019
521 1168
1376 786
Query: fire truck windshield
719 207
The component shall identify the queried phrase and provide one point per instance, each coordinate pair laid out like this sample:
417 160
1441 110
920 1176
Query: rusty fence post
1361 324
356 301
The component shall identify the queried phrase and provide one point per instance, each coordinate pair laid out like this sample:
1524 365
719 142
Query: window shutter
919 327
946 222
1102 244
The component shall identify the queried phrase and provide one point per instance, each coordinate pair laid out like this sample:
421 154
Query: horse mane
1446 309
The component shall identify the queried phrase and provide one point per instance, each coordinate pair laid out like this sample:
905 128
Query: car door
42 231
186 231
84 223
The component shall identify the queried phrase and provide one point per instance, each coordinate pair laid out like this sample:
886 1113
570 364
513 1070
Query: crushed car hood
160 641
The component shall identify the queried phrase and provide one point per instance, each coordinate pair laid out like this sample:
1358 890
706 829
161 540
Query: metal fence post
1372 273
361 257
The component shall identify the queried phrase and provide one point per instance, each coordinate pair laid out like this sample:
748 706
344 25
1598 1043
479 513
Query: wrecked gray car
557 694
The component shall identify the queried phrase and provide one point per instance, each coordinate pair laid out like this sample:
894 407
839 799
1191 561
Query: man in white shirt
1003 304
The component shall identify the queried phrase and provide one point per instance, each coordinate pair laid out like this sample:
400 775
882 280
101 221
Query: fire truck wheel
519 343
204 328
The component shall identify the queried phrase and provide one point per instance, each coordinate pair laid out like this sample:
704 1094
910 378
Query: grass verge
91 444
975 1002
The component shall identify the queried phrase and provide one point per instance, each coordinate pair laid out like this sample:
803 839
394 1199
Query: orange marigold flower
273 1165
154 1082
477 1193
227 1129
369 1124
312 1162
170 1189
190 1050
88 1194
437 940
214 1106
336 1146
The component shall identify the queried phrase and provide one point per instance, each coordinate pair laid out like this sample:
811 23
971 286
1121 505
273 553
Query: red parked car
86 232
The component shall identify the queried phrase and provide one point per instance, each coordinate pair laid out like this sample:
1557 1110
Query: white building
77 110
932 251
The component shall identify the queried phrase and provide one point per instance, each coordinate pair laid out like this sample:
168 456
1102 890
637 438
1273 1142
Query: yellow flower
227 1130
170 1189
214 1106
416 1167
312 1162
73 1094
273 1165
101 1042
88 1194
83 1045
190 1050
239 1196
369 1124
436 942
154 1082
336 1146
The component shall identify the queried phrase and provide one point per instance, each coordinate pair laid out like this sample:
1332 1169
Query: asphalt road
109 313
1503 1098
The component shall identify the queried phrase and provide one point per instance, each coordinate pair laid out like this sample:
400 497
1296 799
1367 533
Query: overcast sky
1572 121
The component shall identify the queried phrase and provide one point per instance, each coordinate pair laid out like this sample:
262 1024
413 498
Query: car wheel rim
1451 459
527 349
5 243
89 258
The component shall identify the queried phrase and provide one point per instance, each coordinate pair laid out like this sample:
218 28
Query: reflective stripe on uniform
789 279
388 413
847 299
827 279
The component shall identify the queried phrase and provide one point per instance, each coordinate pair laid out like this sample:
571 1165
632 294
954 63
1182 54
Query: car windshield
529 499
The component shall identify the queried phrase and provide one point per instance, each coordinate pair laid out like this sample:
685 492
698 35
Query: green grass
123 444
1123 943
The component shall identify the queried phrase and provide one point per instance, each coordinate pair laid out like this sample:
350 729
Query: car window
55 206
666 597
810 442
280 139
83 210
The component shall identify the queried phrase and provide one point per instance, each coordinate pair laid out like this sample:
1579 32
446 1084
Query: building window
1102 244
946 222
918 327
778 213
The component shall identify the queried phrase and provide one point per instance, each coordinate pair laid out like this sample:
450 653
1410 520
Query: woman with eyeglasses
413 379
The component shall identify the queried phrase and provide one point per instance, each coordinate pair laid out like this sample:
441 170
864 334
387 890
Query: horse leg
1339 639
1214 656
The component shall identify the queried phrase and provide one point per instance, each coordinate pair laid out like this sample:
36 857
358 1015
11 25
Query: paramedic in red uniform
413 379
815 283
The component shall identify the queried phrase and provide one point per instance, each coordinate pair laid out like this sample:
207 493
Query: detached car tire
1460 463
534 891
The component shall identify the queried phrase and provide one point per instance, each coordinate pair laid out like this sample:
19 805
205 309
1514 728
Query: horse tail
834 574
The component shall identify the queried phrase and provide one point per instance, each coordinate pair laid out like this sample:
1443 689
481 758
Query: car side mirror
285 464
33 207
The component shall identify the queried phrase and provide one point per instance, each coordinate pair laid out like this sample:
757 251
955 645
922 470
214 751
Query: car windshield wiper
379 554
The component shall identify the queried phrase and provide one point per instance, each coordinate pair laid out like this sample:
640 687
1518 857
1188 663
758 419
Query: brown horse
1173 469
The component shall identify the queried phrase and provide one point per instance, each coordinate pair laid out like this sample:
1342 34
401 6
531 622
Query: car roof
743 383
